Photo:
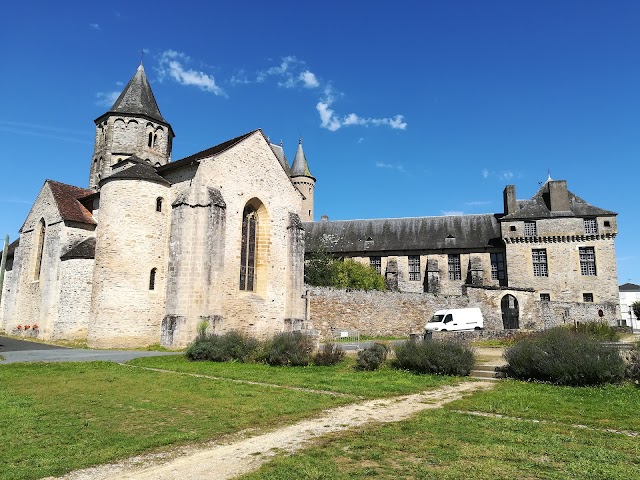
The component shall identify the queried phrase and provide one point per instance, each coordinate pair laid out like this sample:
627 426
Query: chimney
558 196
509 196
324 218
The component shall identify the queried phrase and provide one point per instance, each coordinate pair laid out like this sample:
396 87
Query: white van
455 319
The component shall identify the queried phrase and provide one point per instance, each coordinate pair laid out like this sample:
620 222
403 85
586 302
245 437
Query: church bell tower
132 126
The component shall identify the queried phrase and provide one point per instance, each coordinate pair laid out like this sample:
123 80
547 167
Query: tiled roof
401 234
630 287
539 207
83 249
67 200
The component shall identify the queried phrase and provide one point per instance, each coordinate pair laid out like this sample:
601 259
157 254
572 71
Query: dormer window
530 229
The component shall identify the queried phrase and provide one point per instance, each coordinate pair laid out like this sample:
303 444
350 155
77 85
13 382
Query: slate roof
630 287
137 98
539 207
282 158
210 152
300 166
394 234
84 249
138 171
67 199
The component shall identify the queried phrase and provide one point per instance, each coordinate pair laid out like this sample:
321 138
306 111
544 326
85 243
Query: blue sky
405 108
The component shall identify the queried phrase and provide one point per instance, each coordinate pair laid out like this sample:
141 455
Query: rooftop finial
141 55
300 140
549 173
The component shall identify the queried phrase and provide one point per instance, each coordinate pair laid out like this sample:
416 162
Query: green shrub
371 357
325 271
632 364
635 306
292 349
597 329
222 348
563 357
330 354
436 357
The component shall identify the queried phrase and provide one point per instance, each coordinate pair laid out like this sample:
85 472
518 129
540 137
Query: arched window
248 246
159 204
39 249
155 140
150 142
152 279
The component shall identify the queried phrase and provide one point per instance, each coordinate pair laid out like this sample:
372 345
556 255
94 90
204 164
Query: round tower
129 276
132 126
305 182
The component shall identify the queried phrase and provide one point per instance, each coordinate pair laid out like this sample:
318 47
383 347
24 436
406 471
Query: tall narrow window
587 260
539 257
248 252
152 279
497 266
455 272
159 204
414 267
39 250
530 229
376 262
150 142
155 140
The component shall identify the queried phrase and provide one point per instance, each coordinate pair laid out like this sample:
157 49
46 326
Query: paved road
22 351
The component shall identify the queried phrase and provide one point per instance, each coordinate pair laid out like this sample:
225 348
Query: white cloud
106 99
328 119
361 139
502 176
95 26
485 173
309 79
172 65
478 203
451 213
392 166
120 84
281 70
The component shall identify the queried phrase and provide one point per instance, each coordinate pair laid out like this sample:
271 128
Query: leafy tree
323 270
635 306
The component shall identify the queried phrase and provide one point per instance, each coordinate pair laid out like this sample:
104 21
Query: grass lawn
58 417
444 444
340 378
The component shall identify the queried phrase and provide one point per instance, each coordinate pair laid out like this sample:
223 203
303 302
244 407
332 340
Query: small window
540 268
512 228
590 226
414 268
587 261
152 279
545 297
607 223
587 297
376 262
150 141
159 204
455 273
530 229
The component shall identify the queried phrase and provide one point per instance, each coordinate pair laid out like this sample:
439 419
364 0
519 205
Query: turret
305 182
132 126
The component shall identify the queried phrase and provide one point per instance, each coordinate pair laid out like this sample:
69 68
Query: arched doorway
510 312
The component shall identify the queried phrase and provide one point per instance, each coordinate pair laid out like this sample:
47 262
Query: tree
322 270
635 306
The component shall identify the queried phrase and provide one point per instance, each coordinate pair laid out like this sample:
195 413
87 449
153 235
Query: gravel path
233 458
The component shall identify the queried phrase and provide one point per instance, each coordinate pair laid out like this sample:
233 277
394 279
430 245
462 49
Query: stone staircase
487 372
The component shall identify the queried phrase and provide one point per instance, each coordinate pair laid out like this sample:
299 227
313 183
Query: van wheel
477 328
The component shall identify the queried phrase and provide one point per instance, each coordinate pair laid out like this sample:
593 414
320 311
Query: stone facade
156 248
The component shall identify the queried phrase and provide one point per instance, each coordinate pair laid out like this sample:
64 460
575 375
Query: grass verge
445 444
341 378
58 417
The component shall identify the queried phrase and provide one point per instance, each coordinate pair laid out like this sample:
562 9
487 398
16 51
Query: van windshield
436 319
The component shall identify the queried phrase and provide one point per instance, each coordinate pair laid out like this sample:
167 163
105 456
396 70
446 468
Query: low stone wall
400 313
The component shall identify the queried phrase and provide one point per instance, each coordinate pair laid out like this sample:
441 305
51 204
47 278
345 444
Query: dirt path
228 460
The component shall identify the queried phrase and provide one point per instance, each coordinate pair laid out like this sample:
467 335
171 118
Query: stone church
154 247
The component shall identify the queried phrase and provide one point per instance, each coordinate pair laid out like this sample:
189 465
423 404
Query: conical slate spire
137 98
300 166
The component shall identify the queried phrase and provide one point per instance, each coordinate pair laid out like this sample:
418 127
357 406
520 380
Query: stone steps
487 372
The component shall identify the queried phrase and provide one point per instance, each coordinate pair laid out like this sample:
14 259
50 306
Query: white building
629 293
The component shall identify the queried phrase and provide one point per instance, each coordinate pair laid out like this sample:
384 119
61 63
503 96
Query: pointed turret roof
137 98
300 168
